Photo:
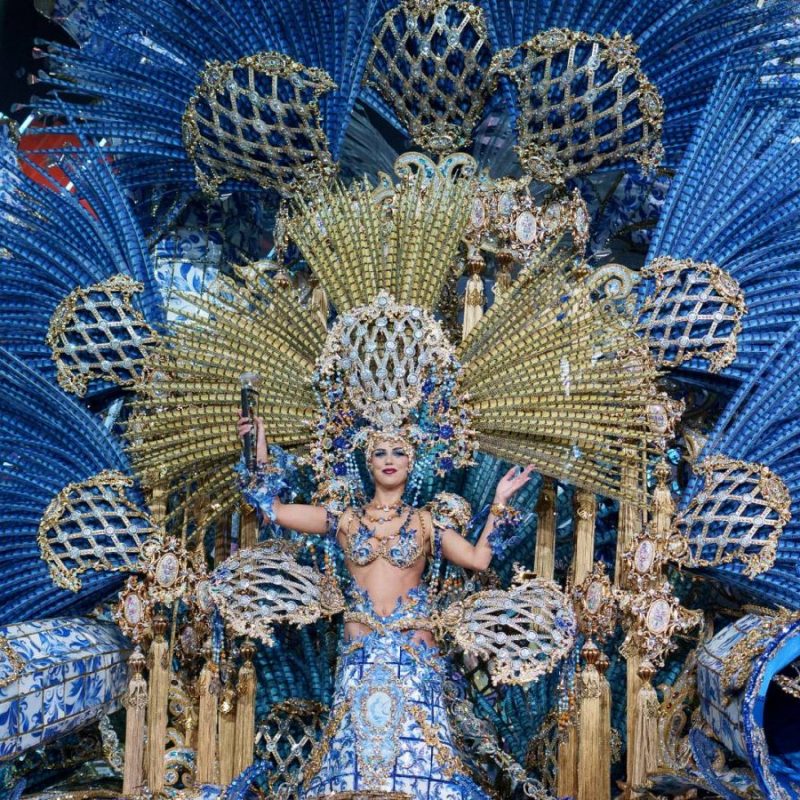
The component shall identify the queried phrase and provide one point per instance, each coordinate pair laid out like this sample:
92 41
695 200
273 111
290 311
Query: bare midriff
385 583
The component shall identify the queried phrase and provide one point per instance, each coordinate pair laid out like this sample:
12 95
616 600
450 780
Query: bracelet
499 509
507 531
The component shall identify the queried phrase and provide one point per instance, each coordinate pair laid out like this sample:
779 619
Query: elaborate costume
387 370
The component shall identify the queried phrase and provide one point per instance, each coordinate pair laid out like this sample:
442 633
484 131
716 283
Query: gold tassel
585 511
157 703
567 767
206 754
503 280
136 708
630 518
663 507
591 769
245 710
474 296
645 731
632 685
318 303
227 728
545 558
605 716
248 528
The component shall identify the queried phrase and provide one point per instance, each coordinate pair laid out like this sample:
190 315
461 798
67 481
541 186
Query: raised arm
263 494
478 556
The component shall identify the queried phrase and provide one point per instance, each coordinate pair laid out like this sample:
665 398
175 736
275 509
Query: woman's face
389 464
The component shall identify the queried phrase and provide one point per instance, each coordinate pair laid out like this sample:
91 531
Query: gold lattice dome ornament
258 120
584 102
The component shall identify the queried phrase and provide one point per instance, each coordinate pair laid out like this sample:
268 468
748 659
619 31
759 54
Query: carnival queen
388 729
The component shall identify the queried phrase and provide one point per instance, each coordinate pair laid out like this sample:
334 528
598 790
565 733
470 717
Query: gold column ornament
644 743
227 726
474 296
136 707
206 755
245 709
157 705
585 511
545 556
158 503
630 518
604 790
592 771
248 528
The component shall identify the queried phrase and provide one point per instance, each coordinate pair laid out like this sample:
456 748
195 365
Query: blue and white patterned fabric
748 721
61 674
388 727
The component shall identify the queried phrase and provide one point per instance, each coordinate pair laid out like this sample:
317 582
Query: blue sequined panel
388 725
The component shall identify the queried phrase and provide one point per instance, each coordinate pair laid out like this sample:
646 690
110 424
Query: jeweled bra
401 549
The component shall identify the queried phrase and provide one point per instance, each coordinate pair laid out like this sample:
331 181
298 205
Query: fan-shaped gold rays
556 381
185 430
359 241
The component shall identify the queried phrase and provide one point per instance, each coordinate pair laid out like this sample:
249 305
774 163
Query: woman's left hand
511 483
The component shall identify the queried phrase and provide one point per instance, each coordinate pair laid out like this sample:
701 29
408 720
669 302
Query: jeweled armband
507 530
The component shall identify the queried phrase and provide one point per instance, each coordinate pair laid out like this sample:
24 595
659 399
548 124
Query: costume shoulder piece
450 510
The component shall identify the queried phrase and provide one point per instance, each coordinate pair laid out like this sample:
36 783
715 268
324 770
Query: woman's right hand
245 425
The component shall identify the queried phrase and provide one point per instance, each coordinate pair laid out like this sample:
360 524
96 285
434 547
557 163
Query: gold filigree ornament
93 525
645 560
663 414
170 570
654 618
134 610
584 103
258 120
431 63
614 286
694 311
285 741
596 604
523 631
266 585
738 515
96 333
507 221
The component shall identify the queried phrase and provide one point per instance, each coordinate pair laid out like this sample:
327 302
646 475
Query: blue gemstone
340 468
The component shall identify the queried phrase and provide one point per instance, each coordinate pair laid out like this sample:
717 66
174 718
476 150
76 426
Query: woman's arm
263 494
478 556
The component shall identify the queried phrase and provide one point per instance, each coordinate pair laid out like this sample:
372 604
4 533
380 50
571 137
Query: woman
387 728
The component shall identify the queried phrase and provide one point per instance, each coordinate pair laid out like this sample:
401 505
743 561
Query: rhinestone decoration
383 353
654 619
694 311
431 63
737 516
285 741
505 219
93 525
523 632
258 120
97 334
266 585
584 103
596 604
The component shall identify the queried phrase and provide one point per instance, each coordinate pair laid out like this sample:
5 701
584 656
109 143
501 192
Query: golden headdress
547 377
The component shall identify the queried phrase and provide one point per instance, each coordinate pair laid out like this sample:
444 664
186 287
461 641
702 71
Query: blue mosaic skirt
388 727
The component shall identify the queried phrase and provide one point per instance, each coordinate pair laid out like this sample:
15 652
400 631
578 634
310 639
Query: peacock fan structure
399 401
